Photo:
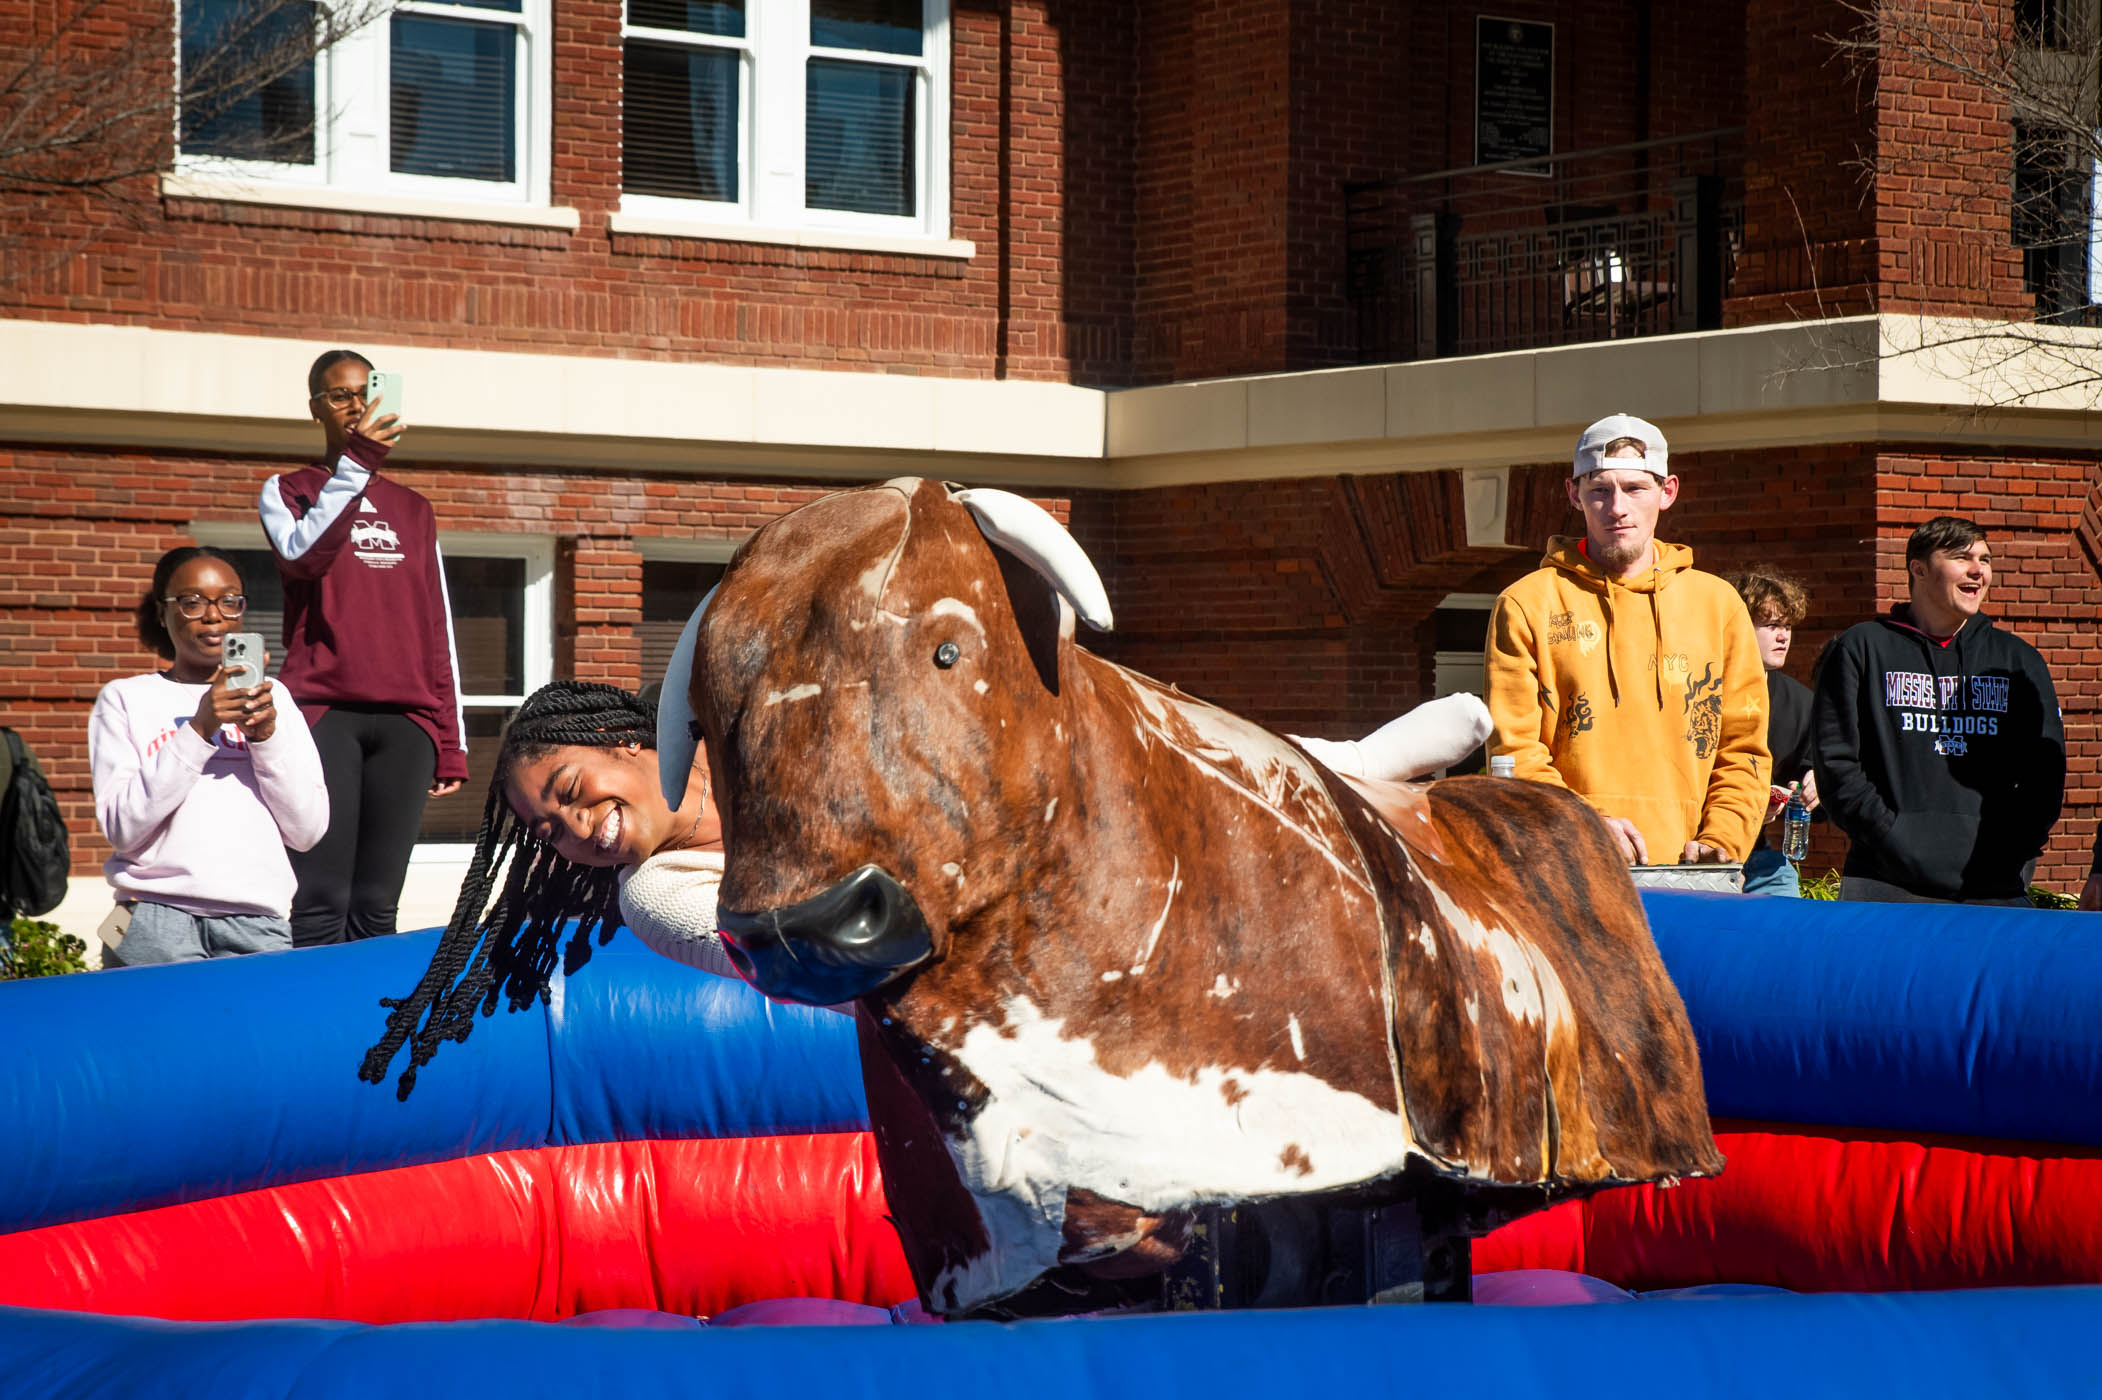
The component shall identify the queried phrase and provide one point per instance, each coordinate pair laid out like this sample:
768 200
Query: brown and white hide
1164 958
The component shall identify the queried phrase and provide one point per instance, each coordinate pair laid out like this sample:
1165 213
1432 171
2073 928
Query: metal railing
1619 241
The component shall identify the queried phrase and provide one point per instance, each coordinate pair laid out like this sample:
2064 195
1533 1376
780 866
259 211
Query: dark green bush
34 948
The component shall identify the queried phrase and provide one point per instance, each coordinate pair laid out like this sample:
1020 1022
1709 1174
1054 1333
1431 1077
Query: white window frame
1454 671
352 96
537 623
658 549
537 629
775 53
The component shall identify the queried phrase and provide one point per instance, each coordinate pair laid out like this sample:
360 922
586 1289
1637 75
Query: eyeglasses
341 397
192 605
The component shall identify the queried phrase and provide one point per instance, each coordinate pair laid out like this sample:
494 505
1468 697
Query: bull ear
678 739
1027 531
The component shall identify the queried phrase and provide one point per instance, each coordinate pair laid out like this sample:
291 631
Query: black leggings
379 765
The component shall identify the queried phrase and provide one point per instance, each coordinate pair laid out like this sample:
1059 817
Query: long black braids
508 949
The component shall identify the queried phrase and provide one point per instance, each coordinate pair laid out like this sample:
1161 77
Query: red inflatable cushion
1834 1209
691 1227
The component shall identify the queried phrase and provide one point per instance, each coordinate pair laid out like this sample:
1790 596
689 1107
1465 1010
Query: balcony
1606 244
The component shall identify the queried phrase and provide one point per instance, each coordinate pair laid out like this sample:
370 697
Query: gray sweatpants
161 933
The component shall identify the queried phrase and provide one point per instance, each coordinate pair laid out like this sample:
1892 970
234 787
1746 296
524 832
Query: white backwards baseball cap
1591 447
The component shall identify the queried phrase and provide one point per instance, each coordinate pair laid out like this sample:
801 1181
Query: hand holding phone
219 706
383 419
244 655
240 692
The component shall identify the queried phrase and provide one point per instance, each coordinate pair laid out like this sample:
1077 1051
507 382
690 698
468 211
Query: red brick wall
1877 185
1239 595
1073 94
1945 175
1040 171
83 528
1809 230
1214 148
1347 119
1243 155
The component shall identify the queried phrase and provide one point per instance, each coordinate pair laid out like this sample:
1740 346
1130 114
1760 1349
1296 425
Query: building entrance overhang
1889 379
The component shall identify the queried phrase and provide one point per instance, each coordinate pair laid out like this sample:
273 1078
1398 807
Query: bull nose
843 942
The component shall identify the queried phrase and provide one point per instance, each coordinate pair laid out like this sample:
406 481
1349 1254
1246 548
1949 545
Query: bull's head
876 681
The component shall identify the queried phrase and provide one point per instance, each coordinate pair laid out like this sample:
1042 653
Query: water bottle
1795 825
1503 765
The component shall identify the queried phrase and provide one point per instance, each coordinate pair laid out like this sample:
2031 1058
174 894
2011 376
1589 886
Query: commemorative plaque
1514 92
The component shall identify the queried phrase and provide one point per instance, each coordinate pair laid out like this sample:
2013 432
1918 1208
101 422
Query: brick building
1294 306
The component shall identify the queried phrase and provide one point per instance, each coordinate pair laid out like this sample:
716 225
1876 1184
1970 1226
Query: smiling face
197 640
1948 587
603 807
1621 506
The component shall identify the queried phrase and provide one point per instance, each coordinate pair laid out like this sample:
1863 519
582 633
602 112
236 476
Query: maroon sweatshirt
367 621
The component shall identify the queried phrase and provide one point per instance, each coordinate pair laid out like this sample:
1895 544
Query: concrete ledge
138 387
649 224
1857 379
378 204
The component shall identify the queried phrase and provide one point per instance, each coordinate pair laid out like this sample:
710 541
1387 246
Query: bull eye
947 655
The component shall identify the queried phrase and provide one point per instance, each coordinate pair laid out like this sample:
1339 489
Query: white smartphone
242 654
383 393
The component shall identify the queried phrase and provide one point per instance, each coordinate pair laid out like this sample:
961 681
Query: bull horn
677 741
1026 530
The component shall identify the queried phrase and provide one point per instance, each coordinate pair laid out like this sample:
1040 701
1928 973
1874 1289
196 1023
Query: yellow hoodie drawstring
1657 620
1611 607
1609 604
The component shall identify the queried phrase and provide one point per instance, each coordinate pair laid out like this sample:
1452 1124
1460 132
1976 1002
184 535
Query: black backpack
36 856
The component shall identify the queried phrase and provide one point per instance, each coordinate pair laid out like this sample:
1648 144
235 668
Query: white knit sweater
668 902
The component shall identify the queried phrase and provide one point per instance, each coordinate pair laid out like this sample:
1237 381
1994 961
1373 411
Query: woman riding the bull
577 808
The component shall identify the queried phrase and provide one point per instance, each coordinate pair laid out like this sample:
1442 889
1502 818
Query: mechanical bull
1121 956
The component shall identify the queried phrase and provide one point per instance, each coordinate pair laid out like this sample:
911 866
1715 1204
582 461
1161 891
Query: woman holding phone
200 785
368 653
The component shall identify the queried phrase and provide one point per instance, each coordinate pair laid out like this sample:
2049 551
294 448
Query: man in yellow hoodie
1621 672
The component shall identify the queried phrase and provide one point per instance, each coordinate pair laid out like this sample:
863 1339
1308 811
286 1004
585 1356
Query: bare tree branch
110 93
2043 69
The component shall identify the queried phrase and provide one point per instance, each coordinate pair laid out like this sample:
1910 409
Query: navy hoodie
1943 761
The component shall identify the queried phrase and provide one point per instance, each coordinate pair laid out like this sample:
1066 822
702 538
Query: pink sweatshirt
201 826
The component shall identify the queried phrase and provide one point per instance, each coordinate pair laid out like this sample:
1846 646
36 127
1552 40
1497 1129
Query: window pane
513 6
458 818
248 80
266 599
671 590
1461 629
859 131
679 132
725 17
454 91
886 26
488 601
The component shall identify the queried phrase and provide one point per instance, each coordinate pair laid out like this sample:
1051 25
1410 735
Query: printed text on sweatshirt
1943 759
197 824
367 619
